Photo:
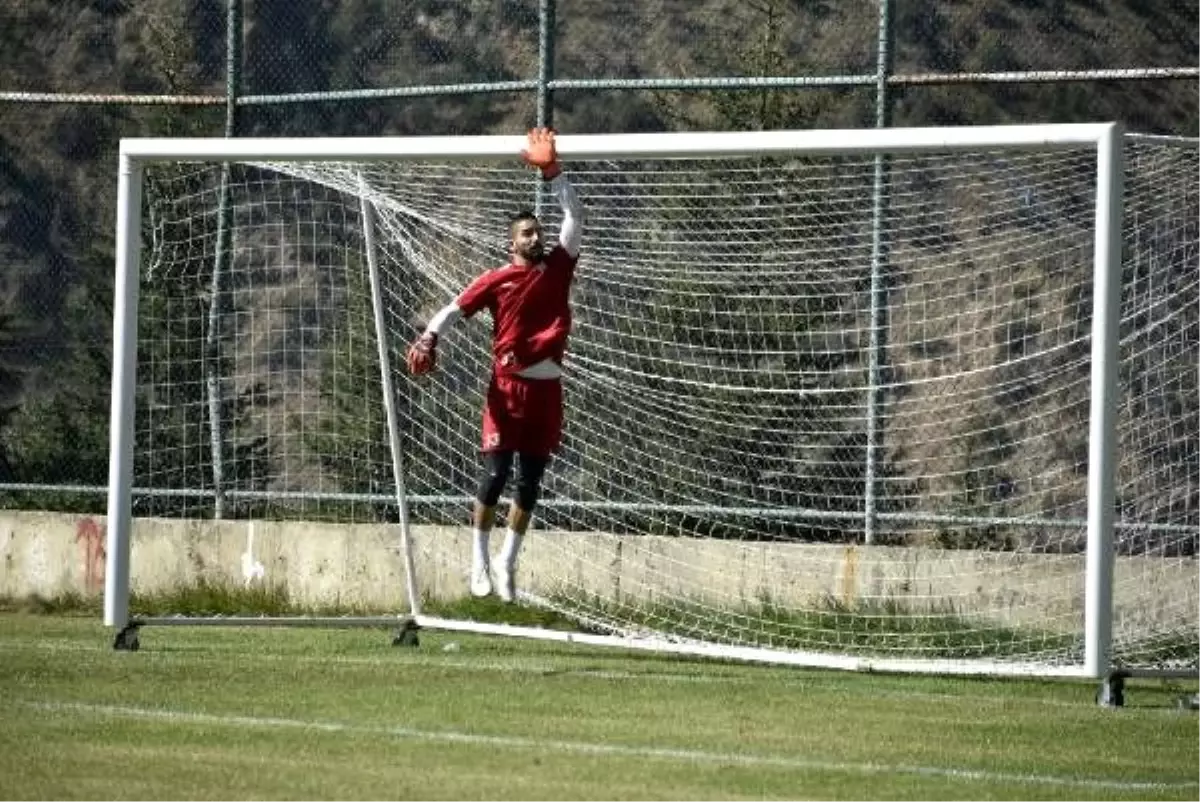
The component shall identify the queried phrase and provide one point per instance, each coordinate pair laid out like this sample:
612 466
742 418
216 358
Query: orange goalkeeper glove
422 355
541 152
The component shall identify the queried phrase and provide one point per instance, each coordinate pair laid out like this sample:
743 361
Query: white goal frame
1105 138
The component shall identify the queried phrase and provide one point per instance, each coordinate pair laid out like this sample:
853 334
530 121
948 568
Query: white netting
1158 428
712 482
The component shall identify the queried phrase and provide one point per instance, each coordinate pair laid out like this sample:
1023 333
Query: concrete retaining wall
360 564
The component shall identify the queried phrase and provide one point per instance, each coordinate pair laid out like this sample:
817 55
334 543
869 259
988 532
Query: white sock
512 545
480 547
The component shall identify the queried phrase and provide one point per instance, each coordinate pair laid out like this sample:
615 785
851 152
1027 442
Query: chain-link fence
76 77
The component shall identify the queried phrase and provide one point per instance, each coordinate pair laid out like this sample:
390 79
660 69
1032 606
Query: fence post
212 350
877 357
545 95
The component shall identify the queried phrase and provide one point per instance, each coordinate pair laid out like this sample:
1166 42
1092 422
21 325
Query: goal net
923 400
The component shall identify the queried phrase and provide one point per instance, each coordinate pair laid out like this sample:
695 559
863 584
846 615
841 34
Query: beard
534 253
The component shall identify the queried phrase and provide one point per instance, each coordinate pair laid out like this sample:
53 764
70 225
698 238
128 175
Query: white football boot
481 583
506 585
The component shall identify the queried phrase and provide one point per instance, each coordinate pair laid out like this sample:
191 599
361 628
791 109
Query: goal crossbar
622 146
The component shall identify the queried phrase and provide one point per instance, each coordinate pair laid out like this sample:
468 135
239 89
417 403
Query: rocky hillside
57 176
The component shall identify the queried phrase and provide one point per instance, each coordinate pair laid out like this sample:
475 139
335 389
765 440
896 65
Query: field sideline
206 713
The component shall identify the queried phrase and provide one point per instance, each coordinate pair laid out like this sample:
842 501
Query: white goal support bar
1105 138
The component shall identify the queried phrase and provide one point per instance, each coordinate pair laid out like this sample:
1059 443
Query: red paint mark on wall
91 536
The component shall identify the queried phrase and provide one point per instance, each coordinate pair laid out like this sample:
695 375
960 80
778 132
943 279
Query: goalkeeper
529 302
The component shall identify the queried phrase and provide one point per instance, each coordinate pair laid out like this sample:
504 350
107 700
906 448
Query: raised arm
542 154
570 236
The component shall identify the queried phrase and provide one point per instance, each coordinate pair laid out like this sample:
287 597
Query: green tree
175 438
350 441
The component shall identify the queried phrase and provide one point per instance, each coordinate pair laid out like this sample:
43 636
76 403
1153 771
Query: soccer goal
901 400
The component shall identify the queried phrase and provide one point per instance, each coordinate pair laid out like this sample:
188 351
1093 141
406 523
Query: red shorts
523 415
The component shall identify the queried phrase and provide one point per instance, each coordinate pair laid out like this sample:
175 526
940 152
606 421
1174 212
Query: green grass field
209 712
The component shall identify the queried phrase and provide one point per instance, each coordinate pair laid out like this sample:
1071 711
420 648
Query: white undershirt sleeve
444 319
571 234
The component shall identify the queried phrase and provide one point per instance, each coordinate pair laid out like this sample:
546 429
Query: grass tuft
879 628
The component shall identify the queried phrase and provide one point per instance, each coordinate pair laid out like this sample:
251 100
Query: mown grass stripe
590 748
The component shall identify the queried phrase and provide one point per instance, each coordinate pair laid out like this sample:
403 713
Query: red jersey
530 307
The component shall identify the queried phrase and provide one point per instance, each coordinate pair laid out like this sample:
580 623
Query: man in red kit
529 301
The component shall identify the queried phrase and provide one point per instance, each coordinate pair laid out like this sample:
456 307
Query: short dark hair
520 217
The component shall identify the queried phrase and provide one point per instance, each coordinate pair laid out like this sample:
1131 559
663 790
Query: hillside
57 178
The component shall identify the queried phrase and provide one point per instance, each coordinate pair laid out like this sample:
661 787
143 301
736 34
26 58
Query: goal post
710 496
1106 310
